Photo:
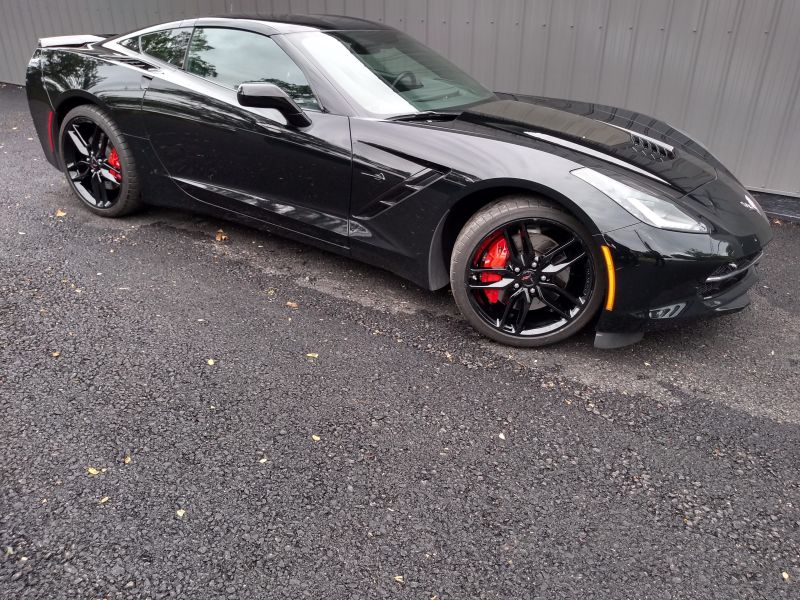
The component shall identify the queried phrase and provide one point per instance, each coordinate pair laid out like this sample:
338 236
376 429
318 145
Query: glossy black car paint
396 193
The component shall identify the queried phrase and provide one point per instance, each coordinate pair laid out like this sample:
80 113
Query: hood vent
652 148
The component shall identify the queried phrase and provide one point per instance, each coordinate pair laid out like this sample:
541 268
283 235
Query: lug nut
516 269
544 278
516 285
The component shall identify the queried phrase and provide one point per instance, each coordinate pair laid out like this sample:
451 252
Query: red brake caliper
496 258
113 160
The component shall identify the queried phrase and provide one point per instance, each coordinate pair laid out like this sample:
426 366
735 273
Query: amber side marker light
612 278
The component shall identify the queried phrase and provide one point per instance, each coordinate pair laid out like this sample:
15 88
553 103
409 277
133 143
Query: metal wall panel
725 71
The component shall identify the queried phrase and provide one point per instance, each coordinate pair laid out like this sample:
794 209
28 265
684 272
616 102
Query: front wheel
525 273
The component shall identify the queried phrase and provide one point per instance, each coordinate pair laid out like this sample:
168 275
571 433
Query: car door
249 160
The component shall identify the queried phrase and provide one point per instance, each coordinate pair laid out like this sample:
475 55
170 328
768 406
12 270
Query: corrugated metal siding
725 71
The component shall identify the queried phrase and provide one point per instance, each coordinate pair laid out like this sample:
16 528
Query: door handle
144 82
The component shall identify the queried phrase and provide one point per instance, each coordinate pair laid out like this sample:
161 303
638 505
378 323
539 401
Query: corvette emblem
749 203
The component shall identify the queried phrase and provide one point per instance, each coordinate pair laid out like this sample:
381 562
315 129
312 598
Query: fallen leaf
180 512
221 236
449 356
92 471
8 550
501 435
211 362
104 499
785 576
55 354
60 213
291 304
316 438
126 460
312 355
263 460
399 579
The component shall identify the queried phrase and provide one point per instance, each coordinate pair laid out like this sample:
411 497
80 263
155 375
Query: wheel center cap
528 278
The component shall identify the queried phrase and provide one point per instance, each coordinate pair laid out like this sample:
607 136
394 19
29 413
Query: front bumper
665 278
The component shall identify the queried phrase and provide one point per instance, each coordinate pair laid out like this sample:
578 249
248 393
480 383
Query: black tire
526 211
126 195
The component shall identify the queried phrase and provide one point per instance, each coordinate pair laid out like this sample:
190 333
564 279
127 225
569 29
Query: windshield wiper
427 115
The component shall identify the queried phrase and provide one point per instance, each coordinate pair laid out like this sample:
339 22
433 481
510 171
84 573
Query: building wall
725 71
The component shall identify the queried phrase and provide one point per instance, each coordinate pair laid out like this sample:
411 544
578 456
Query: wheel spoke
105 171
528 253
103 144
496 271
77 140
523 311
552 287
494 285
79 174
552 306
509 305
95 139
553 269
512 249
99 189
555 251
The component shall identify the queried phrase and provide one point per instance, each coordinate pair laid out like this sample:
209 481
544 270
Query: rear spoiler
70 40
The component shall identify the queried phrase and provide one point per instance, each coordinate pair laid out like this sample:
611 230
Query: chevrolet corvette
543 215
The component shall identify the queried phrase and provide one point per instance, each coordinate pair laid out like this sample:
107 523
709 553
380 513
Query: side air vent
134 62
653 148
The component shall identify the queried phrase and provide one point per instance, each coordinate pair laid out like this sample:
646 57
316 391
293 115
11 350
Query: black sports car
543 215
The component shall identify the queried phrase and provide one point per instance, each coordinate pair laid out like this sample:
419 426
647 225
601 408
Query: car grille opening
728 275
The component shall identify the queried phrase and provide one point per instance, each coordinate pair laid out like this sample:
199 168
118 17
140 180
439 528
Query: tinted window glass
132 43
388 72
230 57
168 45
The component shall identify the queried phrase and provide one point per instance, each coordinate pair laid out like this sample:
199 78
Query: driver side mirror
269 95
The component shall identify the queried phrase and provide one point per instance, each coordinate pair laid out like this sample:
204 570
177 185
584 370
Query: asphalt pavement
251 418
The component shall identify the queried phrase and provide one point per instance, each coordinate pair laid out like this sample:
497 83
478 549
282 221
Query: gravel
409 459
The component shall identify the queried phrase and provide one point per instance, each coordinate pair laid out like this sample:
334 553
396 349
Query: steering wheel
405 74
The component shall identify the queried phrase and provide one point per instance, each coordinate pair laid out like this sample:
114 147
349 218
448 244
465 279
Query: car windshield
388 73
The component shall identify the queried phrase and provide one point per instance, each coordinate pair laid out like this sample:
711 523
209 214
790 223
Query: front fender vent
652 148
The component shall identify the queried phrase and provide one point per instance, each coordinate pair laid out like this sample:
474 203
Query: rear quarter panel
68 75
40 106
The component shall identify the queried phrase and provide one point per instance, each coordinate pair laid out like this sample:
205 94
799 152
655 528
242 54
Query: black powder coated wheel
526 273
97 162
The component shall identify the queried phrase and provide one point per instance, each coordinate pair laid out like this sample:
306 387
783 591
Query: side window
131 43
230 57
168 45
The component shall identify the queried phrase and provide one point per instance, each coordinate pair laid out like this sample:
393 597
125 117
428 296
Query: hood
620 136
642 143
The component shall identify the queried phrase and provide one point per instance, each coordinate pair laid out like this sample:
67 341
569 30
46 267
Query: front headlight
655 211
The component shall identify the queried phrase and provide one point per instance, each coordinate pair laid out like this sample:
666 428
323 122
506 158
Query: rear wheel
97 162
525 273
